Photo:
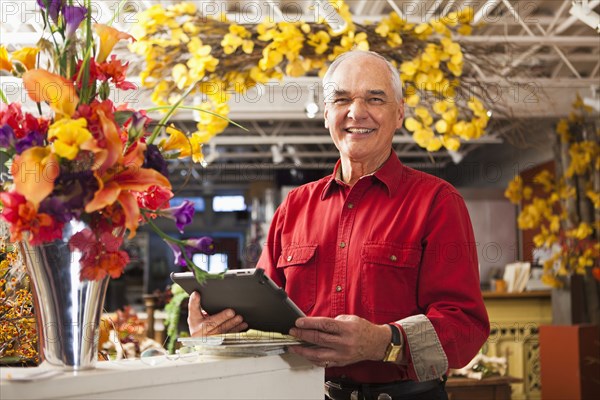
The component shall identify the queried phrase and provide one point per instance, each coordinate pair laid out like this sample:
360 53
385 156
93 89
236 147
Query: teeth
360 130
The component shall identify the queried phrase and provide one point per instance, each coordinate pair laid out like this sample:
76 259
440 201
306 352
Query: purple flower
73 189
138 125
155 160
73 17
7 136
52 7
182 214
202 245
32 139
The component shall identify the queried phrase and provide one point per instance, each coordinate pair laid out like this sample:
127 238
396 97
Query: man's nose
357 109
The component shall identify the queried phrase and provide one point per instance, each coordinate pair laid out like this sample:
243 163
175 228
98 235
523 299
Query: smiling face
361 110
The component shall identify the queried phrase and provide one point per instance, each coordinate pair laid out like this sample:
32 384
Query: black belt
343 390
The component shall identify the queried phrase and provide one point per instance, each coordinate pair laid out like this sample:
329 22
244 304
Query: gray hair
396 81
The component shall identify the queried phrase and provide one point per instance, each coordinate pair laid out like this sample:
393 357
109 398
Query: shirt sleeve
455 323
272 248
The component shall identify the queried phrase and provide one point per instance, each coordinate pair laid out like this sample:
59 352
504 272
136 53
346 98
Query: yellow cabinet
515 319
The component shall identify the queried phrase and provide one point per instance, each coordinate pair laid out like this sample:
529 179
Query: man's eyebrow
376 92
339 92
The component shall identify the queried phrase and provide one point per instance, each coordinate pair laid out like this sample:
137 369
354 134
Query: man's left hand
343 340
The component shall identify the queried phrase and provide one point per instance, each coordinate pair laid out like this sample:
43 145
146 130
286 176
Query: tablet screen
251 293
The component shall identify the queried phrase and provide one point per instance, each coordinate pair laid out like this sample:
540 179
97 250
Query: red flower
22 216
155 198
12 115
100 255
117 72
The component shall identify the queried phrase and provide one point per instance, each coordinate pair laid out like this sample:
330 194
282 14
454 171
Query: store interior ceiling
542 53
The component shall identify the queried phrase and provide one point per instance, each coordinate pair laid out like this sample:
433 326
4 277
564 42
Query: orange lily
34 172
57 91
109 36
117 179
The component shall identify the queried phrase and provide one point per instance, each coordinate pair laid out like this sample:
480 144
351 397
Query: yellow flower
181 76
423 137
582 154
413 100
441 126
320 41
412 124
424 115
514 190
546 179
594 197
409 68
5 63
434 144
202 61
563 130
295 68
581 232
451 143
26 56
177 141
68 135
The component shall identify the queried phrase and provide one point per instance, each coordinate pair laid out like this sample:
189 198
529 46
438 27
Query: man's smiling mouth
361 131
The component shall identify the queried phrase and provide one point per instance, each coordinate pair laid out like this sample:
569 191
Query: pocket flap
391 254
296 255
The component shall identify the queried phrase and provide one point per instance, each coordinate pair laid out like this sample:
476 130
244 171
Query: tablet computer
251 293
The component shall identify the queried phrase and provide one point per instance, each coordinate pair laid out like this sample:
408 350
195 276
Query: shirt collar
388 174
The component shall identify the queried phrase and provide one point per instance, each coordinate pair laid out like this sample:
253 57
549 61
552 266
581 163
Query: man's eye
376 100
341 101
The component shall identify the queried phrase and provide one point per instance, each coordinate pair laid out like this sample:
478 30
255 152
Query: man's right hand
202 324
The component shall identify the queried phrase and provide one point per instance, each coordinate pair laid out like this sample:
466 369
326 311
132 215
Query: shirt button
343 244
289 258
338 288
393 257
350 205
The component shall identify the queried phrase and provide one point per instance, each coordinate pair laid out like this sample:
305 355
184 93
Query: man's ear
400 114
325 112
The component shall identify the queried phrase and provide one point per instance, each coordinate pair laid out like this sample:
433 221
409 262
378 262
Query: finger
229 324
239 328
322 324
315 336
195 315
317 356
214 323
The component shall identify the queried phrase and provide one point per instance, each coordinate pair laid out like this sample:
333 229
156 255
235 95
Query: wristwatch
394 349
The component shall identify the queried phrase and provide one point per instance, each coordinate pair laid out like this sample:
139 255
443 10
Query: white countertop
284 376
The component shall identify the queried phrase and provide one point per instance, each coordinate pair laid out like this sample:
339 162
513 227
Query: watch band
394 349
396 336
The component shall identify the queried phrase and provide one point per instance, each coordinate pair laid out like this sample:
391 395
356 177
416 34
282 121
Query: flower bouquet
84 171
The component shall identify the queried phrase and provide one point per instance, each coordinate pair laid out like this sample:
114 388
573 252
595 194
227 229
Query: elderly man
380 257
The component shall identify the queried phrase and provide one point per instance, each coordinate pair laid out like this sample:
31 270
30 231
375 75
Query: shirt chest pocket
299 267
388 279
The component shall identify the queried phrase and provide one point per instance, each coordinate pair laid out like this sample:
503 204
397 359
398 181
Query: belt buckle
384 396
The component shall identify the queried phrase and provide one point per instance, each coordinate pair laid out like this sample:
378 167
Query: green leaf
3 97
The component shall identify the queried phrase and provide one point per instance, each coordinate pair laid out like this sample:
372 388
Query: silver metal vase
67 309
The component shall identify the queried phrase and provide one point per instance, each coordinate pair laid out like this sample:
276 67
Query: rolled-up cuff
428 357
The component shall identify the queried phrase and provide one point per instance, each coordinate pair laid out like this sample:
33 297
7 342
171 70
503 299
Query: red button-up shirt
396 245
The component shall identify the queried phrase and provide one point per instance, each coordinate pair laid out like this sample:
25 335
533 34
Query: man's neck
351 170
